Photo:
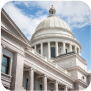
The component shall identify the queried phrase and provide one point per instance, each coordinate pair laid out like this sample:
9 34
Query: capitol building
50 61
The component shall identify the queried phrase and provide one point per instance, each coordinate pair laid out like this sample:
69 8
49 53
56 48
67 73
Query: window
26 84
52 52
66 50
5 65
39 51
40 87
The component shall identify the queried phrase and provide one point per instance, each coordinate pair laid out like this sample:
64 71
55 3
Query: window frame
6 66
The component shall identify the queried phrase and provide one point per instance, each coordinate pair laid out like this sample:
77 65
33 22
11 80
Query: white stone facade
66 72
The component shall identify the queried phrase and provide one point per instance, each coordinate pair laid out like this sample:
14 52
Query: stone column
31 80
17 73
56 86
35 47
42 49
63 47
70 47
49 50
1 55
56 48
75 49
65 88
44 83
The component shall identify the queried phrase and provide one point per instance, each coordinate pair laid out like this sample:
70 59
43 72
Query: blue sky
27 15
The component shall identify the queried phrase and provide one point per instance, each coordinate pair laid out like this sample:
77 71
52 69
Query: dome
53 22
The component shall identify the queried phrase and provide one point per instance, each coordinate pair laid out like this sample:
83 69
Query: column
31 80
65 88
56 86
1 54
35 47
70 47
49 50
44 83
17 72
56 48
42 49
63 47
75 49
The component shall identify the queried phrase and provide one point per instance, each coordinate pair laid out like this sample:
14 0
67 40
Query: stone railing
49 61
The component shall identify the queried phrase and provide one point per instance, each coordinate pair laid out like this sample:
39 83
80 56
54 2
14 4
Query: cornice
48 64
48 74
52 28
12 47
70 56
13 24
82 82
16 37
77 68
64 37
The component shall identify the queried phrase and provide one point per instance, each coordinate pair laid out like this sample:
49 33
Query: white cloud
76 13
89 71
27 24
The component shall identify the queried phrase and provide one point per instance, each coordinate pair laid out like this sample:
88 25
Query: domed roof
53 22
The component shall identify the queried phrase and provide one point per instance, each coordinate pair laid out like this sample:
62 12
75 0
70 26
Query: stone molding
12 47
70 56
50 64
78 68
81 82
48 74
47 37
52 28
13 24
16 37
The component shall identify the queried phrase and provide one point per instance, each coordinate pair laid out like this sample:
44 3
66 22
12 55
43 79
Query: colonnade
44 84
56 48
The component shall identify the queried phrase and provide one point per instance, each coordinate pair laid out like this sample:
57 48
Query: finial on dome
52 7
52 11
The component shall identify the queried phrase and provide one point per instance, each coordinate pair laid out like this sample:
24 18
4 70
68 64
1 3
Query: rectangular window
66 50
52 52
40 87
39 51
26 84
5 65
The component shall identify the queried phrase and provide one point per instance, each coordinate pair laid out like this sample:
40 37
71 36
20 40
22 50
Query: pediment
10 26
